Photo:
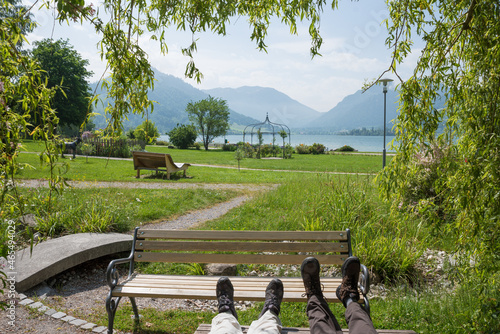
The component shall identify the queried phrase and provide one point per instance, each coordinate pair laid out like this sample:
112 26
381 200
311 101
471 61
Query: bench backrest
150 160
245 247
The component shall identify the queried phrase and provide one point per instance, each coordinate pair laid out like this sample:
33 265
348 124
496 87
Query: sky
353 51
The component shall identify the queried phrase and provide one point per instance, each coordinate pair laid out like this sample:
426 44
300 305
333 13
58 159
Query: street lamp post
384 81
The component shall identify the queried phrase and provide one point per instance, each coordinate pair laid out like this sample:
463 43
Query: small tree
183 136
239 155
210 117
283 135
261 141
87 149
147 131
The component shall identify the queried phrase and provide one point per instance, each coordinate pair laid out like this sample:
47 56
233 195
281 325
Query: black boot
348 292
310 276
274 296
225 293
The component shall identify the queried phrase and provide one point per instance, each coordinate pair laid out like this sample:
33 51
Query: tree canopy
460 167
210 117
64 67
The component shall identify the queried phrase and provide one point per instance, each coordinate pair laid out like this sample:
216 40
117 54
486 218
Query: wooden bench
157 161
235 247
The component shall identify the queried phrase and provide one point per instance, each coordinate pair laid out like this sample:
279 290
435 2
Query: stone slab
57 255
78 322
100 329
51 311
68 318
88 325
58 315
36 305
26 301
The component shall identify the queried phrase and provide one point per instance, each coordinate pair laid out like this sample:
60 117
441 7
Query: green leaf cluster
461 64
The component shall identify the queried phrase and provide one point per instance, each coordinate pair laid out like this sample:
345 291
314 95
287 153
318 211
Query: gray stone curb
25 301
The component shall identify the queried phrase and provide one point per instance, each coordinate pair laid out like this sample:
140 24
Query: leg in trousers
321 318
225 323
268 323
358 320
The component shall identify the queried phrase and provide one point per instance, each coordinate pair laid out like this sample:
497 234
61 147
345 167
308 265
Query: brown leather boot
310 276
348 292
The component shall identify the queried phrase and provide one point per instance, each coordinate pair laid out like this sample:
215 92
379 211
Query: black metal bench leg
111 306
134 308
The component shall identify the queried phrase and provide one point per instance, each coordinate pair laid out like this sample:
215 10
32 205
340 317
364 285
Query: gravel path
35 183
199 216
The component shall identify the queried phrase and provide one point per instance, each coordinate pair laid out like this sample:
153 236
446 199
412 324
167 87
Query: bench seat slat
203 287
205 329
234 258
244 235
243 246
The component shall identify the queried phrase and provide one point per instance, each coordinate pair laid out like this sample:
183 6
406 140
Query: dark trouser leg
321 319
358 320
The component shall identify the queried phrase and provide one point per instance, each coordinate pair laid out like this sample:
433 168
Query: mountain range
250 105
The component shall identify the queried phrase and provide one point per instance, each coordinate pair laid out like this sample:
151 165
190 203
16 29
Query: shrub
302 149
137 148
162 143
424 188
147 131
130 134
247 149
229 147
317 148
183 136
288 151
87 135
197 145
269 150
345 148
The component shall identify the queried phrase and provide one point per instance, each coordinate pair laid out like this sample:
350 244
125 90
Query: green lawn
348 163
98 169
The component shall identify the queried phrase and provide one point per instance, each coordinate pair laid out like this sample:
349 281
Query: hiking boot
225 293
274 296
347 292
310 275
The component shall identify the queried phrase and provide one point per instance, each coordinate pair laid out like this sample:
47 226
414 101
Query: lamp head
385 81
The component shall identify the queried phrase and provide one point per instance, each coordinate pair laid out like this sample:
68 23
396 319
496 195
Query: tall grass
107 209
390 245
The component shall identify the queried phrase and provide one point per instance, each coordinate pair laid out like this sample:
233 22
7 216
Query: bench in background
157 162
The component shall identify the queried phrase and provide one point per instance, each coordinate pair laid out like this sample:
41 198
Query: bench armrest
365 280
112 276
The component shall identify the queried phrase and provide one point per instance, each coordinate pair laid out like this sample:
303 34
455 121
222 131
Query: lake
360 143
